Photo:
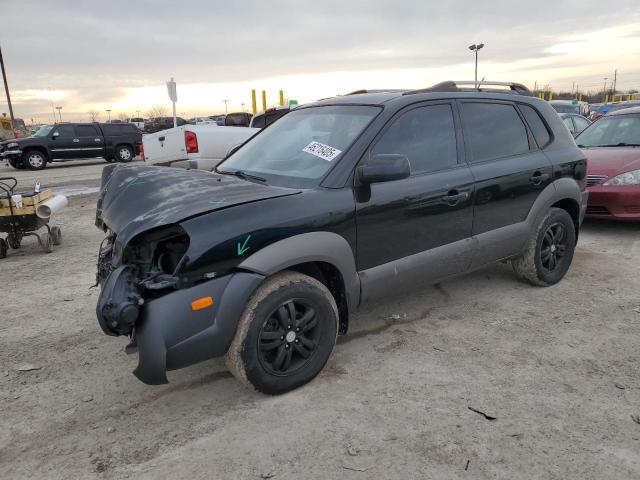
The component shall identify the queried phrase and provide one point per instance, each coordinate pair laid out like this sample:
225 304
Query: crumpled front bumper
170 335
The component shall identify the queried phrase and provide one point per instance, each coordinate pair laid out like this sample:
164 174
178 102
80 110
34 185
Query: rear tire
3 248
56 235
124 153
34 160
549 252
285 334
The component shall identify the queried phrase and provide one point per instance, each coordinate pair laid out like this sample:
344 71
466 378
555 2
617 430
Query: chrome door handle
96 139
75 140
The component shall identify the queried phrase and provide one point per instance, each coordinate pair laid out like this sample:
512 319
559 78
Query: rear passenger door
89 140
416 229
509 169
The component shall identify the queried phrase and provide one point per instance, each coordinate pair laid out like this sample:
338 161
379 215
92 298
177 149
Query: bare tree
123 116
94 115
157 111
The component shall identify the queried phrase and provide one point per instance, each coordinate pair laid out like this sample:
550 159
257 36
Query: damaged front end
147 293
145 270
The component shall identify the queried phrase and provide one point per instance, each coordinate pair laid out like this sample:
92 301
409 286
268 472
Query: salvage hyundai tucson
339 202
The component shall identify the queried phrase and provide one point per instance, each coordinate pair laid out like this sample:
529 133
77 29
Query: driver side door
64 143
418 229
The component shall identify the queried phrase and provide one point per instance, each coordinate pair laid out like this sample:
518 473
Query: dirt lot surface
554 372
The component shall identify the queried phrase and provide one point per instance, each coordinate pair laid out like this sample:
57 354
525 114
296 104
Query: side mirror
384 168
55 135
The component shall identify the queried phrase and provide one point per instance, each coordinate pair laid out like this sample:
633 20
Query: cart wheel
56 235
14 240
3 248
46 242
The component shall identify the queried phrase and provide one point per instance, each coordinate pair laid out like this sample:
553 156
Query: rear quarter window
493 130
536 124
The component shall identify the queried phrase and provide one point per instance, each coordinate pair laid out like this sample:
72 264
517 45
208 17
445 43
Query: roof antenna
480 83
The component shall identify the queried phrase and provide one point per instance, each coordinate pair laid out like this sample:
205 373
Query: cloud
100 51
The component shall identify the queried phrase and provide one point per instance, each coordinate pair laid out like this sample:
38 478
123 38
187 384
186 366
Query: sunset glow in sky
84 58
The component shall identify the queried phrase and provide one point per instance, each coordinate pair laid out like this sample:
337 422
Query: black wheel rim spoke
554 246
289 337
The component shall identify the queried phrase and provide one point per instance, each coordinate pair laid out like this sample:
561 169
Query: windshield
297 150
43 131
565 108
618 130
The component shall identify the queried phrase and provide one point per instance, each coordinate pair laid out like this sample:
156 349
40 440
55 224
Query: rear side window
537 126
493 130
426 135
86 131
258 121
581 123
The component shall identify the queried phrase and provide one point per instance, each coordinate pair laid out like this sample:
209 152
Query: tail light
142 152
191 141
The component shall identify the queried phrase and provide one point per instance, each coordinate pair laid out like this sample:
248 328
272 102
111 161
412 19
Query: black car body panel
223 235
137 198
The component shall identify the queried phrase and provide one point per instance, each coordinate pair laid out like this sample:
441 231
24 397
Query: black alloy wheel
289 337
553 247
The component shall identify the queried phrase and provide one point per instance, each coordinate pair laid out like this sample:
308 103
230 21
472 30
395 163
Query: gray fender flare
309 247
560 189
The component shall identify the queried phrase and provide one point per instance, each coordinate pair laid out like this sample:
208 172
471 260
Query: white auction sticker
321 150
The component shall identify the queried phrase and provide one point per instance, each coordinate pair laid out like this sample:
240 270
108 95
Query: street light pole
6 90
225 106
59 113
474 48
109 113
604 89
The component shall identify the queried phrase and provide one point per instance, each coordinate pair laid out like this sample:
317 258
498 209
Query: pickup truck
66 141
193 146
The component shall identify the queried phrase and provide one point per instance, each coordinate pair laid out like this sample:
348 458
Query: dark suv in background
339 202
69 141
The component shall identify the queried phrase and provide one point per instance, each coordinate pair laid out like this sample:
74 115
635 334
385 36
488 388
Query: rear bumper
170 335
617 202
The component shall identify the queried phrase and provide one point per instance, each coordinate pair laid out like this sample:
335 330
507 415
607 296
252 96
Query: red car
612 148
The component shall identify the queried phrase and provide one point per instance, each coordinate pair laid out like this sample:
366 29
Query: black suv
68 141
338 202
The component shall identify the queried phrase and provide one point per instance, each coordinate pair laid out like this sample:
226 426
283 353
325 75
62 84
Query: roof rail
381 90
454 86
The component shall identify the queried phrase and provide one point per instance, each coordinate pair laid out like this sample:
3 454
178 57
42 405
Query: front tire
549 252
124 153
3 248
34 160
285 334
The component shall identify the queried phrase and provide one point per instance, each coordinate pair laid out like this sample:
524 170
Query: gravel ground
478 377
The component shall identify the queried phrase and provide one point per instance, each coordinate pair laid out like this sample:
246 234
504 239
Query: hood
611 161
135 198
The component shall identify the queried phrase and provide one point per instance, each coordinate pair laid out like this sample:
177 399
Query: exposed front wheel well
331 278
573 209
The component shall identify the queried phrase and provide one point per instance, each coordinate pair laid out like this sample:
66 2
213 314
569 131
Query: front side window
614 131
569 124
581 123
297 150
425 135
65 131
43 131
493 130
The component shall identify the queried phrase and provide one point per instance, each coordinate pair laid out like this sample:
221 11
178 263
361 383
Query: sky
87 55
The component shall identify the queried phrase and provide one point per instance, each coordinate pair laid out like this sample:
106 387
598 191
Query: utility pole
604 89
615 80
6 90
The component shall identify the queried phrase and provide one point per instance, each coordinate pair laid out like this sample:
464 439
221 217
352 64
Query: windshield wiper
244 175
